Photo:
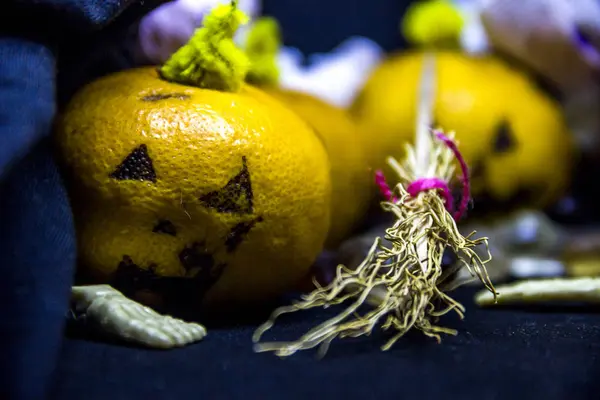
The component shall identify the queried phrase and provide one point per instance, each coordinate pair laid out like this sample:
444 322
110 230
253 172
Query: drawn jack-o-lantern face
162 251
511 134
193 192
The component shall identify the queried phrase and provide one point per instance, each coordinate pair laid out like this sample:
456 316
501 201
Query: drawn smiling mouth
201 268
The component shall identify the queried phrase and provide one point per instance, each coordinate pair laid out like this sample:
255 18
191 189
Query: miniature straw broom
402 283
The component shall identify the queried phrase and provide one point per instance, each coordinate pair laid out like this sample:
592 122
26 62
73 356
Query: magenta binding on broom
424 184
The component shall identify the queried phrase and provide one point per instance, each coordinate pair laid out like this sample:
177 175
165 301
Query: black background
320 25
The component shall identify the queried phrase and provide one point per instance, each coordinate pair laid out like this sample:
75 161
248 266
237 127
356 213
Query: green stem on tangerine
262 47
434 24
210 59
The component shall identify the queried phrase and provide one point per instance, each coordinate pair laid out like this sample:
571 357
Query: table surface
535 353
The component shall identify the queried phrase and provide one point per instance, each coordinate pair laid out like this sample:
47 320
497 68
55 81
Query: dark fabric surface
37 256
498 354
36 234
37 246
28 93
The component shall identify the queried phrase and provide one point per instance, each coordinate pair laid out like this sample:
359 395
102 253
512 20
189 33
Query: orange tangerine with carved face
197 194
511 133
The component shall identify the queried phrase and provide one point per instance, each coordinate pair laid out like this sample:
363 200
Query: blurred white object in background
536 267
473 38
335 77
553 37
558 39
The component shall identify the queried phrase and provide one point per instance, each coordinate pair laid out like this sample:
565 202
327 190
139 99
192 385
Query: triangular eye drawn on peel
504 137
137 166
236 197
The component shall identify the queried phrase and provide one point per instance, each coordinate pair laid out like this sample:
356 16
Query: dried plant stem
583 289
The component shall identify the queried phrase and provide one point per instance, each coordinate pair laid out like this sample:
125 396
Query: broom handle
424 145
425 106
